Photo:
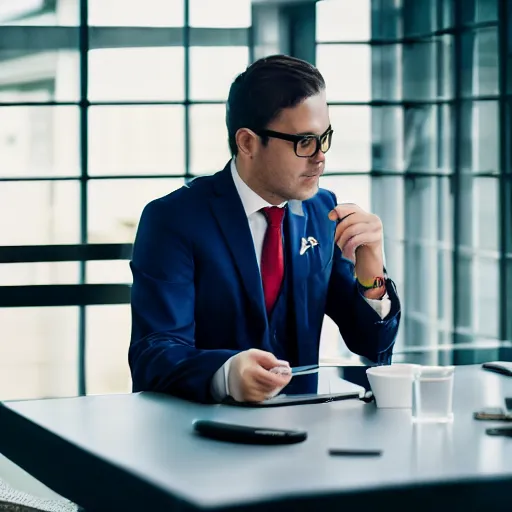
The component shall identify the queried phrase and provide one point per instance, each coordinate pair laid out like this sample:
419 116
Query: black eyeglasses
305 146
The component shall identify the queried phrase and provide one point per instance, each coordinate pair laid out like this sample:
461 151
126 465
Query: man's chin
301 193
308 193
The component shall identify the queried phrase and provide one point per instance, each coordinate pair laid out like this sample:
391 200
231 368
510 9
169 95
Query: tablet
316 385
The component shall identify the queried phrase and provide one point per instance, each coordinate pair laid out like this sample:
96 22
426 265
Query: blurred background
107 104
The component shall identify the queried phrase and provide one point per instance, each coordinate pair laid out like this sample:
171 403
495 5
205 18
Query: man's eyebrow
304 134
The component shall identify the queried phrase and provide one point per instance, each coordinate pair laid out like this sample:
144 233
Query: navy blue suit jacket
197 297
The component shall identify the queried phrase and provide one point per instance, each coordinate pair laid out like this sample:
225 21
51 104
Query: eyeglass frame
298 138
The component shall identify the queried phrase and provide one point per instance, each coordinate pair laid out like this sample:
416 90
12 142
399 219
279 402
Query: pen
355 452
343 218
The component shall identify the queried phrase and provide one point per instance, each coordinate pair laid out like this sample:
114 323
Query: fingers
266 360
354 218
270 380
260 385
341 211
349 249
344 233
250 378
357 224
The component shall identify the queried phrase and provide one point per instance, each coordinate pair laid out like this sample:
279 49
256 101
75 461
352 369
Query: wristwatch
376 282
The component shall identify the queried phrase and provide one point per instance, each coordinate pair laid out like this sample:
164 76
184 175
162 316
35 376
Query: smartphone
493 414
504 432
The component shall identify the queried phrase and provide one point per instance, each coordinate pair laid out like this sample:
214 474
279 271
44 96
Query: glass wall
434 79
104 105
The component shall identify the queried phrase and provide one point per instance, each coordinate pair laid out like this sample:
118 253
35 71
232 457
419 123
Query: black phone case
247 435
493 367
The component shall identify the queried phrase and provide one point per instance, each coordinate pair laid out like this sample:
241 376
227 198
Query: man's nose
319 158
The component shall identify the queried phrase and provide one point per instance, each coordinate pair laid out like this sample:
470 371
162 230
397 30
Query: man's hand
359 236
249 378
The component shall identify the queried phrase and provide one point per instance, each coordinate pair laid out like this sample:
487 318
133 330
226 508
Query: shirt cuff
381 306
219 386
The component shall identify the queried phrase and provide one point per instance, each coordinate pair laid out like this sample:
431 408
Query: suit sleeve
162 355
365 333
363 330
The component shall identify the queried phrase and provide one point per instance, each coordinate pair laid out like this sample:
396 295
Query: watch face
379 282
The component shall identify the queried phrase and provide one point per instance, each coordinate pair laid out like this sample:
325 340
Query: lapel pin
307 243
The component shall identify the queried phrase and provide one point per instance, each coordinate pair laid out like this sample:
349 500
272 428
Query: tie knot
274 215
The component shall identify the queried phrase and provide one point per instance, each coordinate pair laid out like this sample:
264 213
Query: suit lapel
230 214
299 268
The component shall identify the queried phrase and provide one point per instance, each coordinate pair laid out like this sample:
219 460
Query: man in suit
233 273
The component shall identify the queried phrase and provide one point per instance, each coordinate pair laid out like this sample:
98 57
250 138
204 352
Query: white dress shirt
252 204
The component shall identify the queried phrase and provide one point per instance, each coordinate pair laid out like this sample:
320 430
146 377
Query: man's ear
247 141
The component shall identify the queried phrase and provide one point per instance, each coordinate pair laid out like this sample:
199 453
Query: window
480 137
150 13
34 13
347 20
344 59
39 212
27 274
117 220
40 360
136 140
346 70
212 70
349 189
444 204
209 150
432 164
28 141
220 13
426 67
351 140
480 54
81 155
107 363
137 74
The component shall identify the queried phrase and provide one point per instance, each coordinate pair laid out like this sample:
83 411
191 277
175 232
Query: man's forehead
309 116
301 126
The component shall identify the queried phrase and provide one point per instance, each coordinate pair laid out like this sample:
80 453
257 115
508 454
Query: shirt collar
251 201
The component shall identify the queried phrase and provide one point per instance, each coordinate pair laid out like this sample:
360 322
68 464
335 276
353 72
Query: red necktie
272 257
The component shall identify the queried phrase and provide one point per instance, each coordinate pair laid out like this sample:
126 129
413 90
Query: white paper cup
392 385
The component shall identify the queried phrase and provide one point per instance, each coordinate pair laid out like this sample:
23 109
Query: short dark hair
266 87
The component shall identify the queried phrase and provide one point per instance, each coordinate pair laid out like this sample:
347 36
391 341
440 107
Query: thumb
333 215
